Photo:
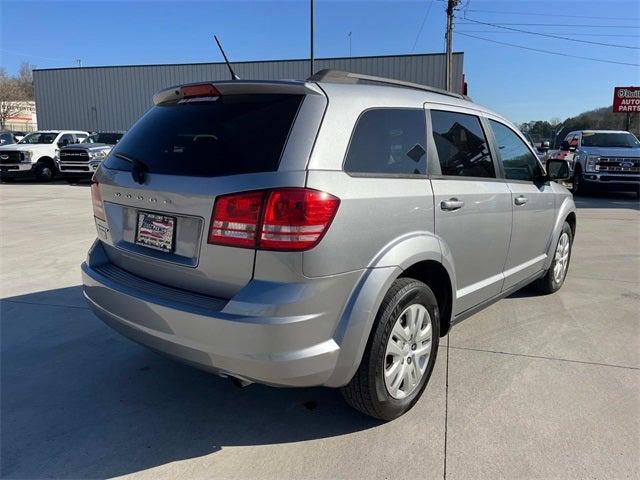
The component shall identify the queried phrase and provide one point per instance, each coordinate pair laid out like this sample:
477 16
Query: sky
521 84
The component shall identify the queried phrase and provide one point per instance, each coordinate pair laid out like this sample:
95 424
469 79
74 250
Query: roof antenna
226 60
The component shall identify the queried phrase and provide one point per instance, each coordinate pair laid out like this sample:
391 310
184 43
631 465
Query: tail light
286 219
96 199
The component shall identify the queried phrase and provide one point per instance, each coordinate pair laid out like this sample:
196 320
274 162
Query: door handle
520 200
451 204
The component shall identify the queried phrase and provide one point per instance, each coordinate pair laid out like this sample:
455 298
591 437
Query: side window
65 139
389 141
461 145
518 161
80 137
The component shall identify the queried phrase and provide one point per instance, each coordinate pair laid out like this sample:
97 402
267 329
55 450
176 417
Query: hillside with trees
598 119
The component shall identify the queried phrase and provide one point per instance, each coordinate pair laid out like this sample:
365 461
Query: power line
633 35
422 26
550 15
549 51
529 32
558 25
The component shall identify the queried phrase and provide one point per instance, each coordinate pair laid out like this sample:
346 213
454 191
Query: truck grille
618 165
74 156
12 157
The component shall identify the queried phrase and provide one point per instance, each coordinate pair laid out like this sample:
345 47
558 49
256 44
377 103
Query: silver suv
322 232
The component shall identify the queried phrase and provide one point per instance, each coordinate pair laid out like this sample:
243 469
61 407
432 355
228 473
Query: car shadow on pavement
607 200
80 401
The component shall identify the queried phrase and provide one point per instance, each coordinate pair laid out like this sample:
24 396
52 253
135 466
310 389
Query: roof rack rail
339 76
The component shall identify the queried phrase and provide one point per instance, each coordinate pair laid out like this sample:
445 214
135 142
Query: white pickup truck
33 156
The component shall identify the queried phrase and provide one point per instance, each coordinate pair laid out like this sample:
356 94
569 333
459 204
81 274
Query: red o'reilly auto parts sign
626 99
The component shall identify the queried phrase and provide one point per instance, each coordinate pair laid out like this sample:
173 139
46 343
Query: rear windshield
225 136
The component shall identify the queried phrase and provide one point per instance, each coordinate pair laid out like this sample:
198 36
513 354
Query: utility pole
311 42
451 5
350 44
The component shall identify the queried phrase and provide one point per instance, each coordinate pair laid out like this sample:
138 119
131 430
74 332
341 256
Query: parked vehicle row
602 160
8 137
324 232
45 154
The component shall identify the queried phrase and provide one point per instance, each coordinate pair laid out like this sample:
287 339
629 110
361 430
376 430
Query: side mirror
2 141
558 170
63 143
564 146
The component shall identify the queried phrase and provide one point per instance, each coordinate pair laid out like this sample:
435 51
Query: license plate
156 231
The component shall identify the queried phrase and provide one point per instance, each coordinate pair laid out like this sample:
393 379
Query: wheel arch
436 277
416 254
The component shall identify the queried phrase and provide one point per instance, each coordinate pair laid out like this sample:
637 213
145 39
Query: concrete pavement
533 387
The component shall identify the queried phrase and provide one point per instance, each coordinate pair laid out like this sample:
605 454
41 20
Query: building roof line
242 62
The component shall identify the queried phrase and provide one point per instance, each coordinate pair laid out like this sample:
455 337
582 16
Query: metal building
113 98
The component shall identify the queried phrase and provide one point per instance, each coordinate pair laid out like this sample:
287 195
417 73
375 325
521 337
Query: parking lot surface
532 387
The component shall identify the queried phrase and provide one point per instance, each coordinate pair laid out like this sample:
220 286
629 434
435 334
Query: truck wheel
44 172
554 277
578 187
400 353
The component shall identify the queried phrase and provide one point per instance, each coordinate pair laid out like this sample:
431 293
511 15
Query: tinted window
37 137
461 145
108 138
518 161
388 141
612 140
230 135
66 139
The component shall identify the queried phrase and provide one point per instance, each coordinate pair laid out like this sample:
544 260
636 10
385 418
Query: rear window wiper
138 167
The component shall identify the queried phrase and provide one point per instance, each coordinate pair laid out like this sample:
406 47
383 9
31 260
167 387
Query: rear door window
388 141
461 145
230 135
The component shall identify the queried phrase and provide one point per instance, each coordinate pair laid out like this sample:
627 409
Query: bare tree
25 79
12 93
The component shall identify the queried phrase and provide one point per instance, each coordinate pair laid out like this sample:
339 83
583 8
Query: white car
34 155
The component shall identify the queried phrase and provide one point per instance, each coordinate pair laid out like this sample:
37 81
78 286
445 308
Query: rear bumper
274 334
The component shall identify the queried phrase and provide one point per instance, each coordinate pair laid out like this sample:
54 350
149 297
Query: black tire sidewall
415 292
578 183
41 168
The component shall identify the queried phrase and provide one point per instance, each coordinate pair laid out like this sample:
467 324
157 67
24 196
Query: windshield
231 135
108 138
623 140
38 137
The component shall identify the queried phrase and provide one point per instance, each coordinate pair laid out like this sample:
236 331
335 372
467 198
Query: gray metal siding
113 98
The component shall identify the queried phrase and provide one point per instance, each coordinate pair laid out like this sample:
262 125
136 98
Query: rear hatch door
160 182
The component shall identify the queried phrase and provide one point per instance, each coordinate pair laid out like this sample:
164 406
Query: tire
44 172
578 187
550 282
368 391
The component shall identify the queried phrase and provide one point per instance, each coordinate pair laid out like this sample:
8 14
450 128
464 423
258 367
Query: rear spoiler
219 89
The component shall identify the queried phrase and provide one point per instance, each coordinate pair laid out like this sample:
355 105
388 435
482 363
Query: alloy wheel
408 350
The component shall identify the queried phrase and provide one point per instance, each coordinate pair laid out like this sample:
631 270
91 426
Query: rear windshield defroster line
228 135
